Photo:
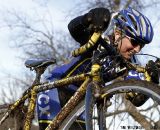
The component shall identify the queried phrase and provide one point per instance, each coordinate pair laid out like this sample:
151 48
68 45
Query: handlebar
91 43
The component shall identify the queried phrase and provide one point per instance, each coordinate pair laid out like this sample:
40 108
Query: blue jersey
48 103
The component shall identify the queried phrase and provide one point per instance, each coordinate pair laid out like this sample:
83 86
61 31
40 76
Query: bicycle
98 94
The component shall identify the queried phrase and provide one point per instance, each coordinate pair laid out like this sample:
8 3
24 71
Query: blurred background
38 29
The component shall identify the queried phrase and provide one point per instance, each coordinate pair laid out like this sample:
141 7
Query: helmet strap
116 42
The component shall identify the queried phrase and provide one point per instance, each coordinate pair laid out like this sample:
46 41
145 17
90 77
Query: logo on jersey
48 104
132 74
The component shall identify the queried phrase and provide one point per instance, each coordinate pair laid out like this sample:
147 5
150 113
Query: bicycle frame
94 75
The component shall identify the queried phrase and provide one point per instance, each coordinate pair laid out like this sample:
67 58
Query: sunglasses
135 42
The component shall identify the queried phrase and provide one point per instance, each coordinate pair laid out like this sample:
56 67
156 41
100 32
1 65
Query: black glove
152 70
97 19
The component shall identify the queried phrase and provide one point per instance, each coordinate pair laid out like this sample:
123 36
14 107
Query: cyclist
131 31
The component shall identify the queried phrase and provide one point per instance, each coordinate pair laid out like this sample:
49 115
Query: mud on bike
104 104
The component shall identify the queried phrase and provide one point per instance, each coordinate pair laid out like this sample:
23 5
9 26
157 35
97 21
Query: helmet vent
133 21
122 18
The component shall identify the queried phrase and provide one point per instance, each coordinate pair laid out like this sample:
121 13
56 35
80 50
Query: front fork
93 97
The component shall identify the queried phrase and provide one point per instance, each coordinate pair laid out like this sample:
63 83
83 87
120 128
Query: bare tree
112 5
38 38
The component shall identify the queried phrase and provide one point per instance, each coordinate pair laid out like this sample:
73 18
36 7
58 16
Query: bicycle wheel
115 112
75 119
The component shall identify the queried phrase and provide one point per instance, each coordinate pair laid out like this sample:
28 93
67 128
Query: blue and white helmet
135 25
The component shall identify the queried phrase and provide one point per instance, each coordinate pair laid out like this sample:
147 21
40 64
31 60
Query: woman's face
127 48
